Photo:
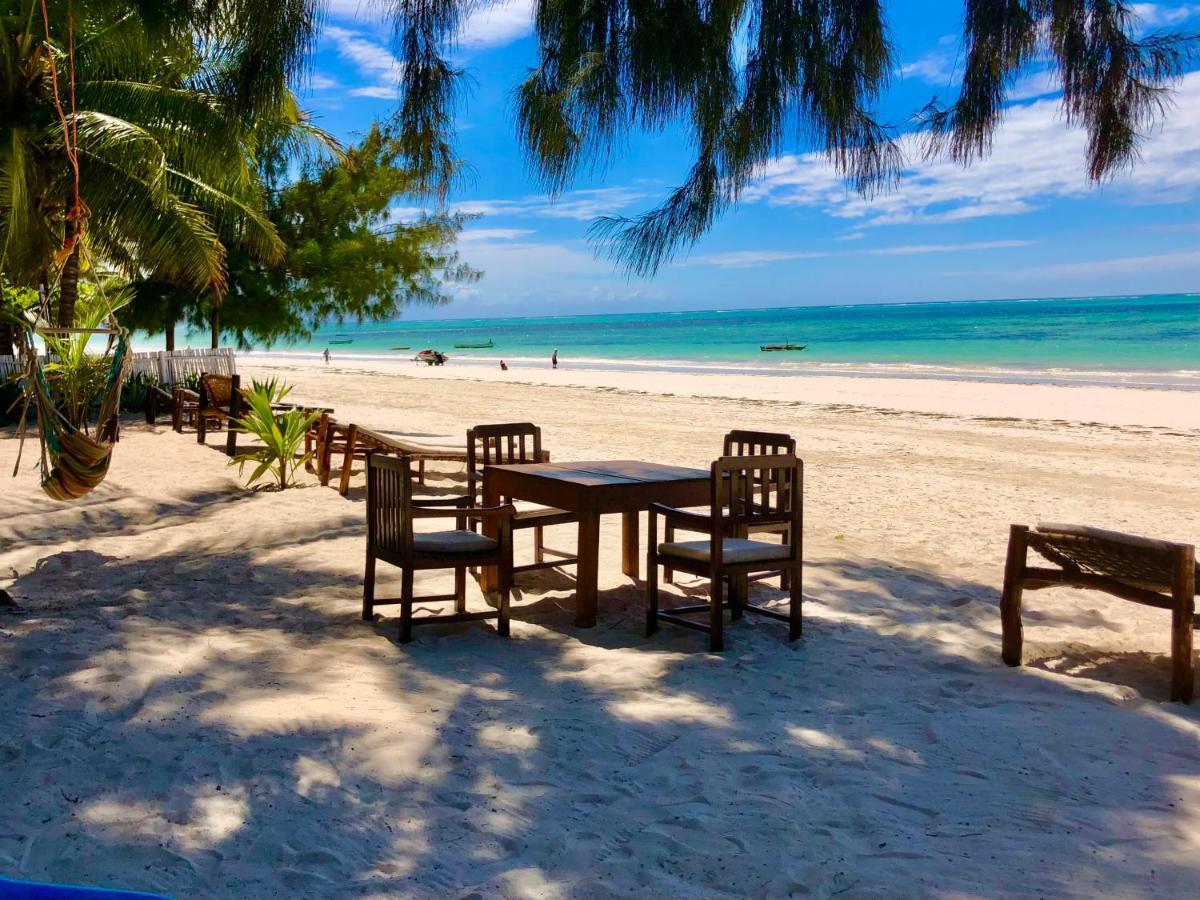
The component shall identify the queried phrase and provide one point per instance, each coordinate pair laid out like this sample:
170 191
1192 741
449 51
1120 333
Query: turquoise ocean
1150 340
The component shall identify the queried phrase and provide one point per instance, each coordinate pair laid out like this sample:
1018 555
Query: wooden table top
606 472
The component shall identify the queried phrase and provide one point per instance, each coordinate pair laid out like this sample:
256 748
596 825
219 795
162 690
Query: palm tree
164 169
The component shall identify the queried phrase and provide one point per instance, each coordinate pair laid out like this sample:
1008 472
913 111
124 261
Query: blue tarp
29 890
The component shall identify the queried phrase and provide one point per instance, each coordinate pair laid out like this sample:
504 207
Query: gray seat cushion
733 550
453 542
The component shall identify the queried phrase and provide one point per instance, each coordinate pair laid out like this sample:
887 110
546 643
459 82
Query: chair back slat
512 443
219 388
754 491
389 499
758 443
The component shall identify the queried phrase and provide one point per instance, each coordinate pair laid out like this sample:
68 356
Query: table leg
587 570
629 544
489 576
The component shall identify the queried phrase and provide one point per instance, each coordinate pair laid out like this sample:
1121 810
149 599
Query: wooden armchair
220 398
391 515
749 494
517 443
1151 572
742 443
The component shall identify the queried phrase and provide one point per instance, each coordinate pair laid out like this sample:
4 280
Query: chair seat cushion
453 542
734 551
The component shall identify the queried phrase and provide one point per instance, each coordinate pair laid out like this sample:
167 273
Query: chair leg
368 610
1183 591
651 593
785 577
737 597
1010 600
460 590
506 579
716 636
406 606
668 537
795 602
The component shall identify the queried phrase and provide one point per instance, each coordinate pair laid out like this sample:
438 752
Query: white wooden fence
170 367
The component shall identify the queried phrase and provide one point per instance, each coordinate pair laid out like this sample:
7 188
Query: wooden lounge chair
1155 573
518 443
391 514
742 443
350 442
748 494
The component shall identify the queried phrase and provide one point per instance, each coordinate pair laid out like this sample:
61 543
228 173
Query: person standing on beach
554 359
326 356
503 366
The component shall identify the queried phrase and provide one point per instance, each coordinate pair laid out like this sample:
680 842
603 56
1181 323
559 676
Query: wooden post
348 459
151 403
235 410
1010 599
1183 592
629 544
201 412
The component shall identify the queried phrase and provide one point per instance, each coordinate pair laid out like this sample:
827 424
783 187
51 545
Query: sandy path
189 703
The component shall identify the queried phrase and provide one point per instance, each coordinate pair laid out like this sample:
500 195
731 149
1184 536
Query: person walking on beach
326 354
554 359
503 366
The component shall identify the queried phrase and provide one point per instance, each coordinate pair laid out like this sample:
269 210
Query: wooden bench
1154 573
353 442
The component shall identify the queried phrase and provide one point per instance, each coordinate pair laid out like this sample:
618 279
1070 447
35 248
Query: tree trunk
170 333
6 338
215 318
68 287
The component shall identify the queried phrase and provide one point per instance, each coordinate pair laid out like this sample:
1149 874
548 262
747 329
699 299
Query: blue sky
1023 223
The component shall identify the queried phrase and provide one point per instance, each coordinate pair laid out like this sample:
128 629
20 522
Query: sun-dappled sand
189 701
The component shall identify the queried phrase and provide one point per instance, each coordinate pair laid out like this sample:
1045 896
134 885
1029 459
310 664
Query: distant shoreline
1169 380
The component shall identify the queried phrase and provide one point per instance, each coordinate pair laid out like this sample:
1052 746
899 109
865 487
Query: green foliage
346 258
280 433
136 393
77 376
165 170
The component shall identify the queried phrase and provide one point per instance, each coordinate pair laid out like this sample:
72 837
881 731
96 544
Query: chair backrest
389 500
507 444
218 388
1129 558
758 443
749 492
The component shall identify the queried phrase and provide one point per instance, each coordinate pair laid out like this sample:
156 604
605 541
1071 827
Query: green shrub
281 434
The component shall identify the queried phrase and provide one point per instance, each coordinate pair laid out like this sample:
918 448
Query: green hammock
73 463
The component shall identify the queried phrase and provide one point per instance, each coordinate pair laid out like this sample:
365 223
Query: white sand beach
190 703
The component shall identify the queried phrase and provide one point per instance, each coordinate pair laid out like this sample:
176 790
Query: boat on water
405 347
770 348
487 346
431 357
348 341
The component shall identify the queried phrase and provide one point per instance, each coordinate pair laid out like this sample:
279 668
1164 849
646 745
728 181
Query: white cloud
480 235
1098 268
743 259
374 62
1155 15
494 26
911 249
582 205
1035 159
937 67
852 236
324 83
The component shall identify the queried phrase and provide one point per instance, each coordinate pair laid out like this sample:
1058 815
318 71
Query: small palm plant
281 434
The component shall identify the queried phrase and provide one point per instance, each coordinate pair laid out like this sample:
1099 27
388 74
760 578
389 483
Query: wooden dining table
593 489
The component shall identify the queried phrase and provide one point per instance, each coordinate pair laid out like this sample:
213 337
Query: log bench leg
348 460
1183 592
1010 599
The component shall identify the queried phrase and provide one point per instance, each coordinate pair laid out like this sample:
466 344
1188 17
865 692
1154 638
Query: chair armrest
681 517
504 511
186 394
458 502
